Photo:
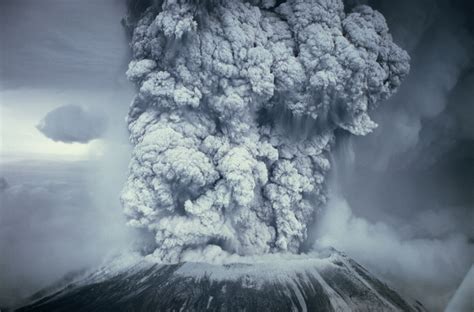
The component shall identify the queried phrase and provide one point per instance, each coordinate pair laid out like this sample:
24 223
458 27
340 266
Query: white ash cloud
405 258
235 116
72 123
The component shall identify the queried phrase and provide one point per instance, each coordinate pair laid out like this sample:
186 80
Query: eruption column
235 115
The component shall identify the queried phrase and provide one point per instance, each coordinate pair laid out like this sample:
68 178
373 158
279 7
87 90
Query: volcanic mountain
330 281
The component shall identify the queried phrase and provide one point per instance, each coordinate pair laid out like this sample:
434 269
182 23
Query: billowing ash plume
235 116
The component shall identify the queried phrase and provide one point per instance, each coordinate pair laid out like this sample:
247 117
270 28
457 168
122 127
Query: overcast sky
55 53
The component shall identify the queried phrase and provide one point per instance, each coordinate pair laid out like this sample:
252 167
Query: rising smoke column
235 115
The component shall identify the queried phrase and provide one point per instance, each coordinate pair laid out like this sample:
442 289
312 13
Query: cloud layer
56 218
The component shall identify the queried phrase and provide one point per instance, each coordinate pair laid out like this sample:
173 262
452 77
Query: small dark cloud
3 184
71 123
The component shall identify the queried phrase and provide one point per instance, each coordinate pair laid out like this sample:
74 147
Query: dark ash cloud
408 205
71 123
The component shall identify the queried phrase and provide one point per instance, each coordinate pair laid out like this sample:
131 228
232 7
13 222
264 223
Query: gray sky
58 53
61 43
61 206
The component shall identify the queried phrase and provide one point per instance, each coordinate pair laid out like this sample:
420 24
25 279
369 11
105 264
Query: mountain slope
305 283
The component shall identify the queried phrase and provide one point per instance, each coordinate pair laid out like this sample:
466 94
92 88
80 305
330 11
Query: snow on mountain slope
314 282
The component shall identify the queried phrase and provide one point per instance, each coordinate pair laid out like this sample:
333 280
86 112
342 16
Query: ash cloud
235 116
401 254
415 173
72 123
425 112
408 185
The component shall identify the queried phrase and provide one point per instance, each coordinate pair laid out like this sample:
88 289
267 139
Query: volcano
314 282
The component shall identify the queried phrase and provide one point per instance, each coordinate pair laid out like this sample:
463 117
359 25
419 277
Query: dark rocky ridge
332 283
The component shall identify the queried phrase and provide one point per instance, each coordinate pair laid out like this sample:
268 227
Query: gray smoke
402 254
235 117
409 184
421 114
